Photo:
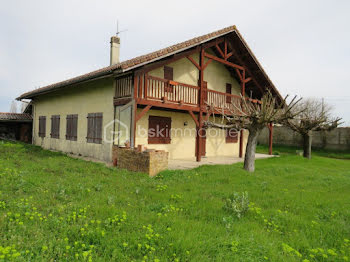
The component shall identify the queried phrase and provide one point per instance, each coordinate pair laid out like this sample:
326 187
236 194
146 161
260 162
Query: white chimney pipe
115 48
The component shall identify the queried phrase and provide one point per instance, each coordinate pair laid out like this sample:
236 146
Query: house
158 100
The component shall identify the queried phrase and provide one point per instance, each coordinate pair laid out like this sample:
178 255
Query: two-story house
158 100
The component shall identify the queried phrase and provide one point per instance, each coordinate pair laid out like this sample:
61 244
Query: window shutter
42 126
231 136
159 130
74 128
228 91
68 127
168 73
98 128
55 126
90 127
71 127
94 132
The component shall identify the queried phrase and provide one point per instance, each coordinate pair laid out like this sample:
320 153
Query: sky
304 46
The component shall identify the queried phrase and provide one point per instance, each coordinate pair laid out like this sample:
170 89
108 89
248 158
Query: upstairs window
94 128
72 127
55 126
159 130
228 91
168 75
42 126
231 136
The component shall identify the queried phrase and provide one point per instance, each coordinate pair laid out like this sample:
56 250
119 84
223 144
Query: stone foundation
147 161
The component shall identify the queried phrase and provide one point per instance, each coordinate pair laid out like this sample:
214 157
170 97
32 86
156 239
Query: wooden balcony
155 91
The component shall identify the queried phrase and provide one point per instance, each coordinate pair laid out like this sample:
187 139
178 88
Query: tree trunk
249 158
307 141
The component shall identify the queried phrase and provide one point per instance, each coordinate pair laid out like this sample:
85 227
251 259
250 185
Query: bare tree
13 107
253 115
315 116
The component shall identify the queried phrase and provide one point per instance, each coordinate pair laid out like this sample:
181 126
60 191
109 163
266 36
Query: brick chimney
115 47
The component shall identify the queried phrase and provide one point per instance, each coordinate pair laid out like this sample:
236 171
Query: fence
337 139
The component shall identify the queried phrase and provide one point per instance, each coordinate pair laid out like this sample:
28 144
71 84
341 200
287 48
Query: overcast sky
304 46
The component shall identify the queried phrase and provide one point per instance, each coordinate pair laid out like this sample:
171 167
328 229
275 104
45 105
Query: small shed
16 126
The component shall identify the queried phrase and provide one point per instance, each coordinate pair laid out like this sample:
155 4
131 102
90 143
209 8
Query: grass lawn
55 208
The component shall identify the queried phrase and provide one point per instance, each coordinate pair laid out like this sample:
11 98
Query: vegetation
252 116
315 115
53 207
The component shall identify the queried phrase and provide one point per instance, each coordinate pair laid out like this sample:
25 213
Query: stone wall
145 161
337 139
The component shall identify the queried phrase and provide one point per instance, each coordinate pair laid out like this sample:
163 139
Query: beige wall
183 138
92 97
216 74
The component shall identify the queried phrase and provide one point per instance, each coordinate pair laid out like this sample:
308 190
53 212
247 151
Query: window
228 91
94 128
42 126
159 130
231 136
168 75
123 115
72 127
55 126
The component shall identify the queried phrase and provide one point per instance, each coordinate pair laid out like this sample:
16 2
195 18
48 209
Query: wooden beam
194 118
234 53
242 133
213 43
201 102
219 50
247 79
223 61
207 63
142 113
134 125
121 101
194 62
239 74
225 48
167 105
229 55
241 144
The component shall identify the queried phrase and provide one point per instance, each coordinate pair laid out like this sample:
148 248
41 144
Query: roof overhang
138 62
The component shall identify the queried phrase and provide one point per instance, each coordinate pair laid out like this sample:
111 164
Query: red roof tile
131 63
15 117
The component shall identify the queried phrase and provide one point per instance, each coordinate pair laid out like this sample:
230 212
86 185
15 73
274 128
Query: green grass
280 149
55 208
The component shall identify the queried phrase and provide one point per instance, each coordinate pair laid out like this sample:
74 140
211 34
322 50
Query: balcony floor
190 163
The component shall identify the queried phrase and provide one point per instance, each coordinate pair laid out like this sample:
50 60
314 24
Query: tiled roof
15 117
132 63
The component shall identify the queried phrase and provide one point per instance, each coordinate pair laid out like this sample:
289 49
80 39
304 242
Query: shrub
237 204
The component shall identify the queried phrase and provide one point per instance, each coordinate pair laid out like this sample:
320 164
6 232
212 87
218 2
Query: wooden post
270 138
241 136
201 103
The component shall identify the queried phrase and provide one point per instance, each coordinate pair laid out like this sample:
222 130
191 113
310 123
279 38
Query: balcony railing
161 89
